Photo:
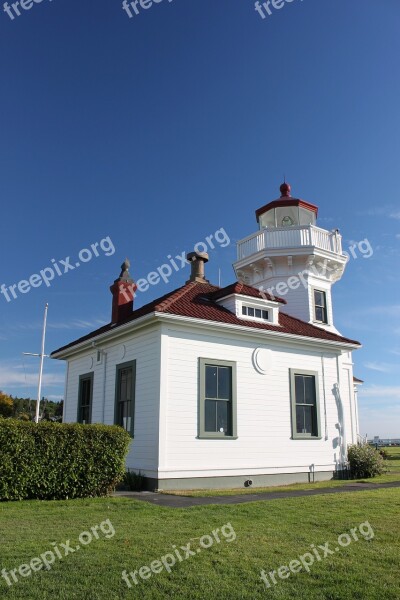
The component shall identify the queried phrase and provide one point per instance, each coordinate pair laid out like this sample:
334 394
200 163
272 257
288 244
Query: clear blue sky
158 130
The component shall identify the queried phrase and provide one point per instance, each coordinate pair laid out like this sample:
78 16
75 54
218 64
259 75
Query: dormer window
252 305
257 313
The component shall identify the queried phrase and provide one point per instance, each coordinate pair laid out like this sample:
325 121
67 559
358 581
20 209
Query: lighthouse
292 258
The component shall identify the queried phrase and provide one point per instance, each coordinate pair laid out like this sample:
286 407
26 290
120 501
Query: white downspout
324 389
343 424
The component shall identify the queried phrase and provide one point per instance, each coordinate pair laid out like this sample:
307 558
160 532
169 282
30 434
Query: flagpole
39 394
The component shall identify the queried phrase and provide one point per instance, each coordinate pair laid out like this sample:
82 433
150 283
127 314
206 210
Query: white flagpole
39 394
42 356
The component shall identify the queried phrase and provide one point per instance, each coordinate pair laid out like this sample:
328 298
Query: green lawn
393 462
268 535
393 474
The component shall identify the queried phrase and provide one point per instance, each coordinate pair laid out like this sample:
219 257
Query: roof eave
302 339
118 331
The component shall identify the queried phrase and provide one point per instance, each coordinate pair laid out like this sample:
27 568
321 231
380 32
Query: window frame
82 378
209 435
325 308
245 313
293 404
118 368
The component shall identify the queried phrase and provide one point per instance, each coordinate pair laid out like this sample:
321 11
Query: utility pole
42 356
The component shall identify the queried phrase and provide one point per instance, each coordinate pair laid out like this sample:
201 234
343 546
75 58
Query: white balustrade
290 237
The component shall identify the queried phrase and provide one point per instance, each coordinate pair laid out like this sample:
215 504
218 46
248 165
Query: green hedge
54 461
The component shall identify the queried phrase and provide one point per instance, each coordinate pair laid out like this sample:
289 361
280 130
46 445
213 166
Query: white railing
290 237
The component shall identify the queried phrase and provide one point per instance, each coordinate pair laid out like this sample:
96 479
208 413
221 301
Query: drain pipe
104 355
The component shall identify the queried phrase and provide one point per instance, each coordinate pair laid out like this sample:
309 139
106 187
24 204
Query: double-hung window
125 396
85 399
305 404
217 407
320 307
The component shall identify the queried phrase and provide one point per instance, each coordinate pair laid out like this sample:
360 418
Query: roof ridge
176 295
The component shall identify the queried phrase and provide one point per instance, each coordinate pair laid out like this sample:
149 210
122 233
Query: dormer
250 304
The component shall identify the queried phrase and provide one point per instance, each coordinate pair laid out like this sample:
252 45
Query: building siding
144 347
264 443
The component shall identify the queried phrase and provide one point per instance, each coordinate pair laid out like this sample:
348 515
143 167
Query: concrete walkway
170 501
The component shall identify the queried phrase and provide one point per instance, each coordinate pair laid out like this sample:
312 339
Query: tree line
25 408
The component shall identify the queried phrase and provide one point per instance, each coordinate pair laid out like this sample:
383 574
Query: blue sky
156 131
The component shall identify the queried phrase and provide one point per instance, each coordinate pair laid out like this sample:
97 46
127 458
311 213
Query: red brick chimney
123 292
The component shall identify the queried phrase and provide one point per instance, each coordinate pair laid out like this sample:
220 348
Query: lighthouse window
321 313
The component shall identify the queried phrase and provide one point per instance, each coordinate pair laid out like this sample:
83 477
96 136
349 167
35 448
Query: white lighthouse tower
292 258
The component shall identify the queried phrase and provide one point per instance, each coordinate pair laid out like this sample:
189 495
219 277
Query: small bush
365 462
384 453
135 482
54 461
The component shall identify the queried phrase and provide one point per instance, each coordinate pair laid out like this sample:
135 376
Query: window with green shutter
217 399
85 399
305 404
125 384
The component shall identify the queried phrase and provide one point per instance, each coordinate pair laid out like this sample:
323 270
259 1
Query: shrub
53 461
135 482
384 453
365 462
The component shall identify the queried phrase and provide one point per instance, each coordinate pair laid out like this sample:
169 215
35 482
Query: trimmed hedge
54 461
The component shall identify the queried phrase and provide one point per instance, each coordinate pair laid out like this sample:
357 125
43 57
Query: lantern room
286 211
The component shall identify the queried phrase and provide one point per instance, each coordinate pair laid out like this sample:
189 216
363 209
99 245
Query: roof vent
197 260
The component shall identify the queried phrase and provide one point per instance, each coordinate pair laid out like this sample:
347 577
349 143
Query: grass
393 462
393 474
268 535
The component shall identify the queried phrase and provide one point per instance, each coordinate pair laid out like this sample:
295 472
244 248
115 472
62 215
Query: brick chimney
123 292
197 260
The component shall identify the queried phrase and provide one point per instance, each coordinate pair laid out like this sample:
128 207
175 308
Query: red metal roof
198 301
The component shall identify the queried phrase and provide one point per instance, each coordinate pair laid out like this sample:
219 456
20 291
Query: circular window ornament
262 360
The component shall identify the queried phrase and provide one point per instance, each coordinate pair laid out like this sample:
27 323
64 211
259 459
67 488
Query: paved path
171 501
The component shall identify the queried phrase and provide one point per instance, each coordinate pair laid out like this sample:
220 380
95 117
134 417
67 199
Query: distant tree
59 409
6 405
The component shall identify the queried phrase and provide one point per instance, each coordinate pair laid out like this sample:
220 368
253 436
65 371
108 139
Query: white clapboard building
250 384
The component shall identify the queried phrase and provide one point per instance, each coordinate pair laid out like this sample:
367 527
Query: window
321 314
248 311
217 418
85 399
125 396
305 404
